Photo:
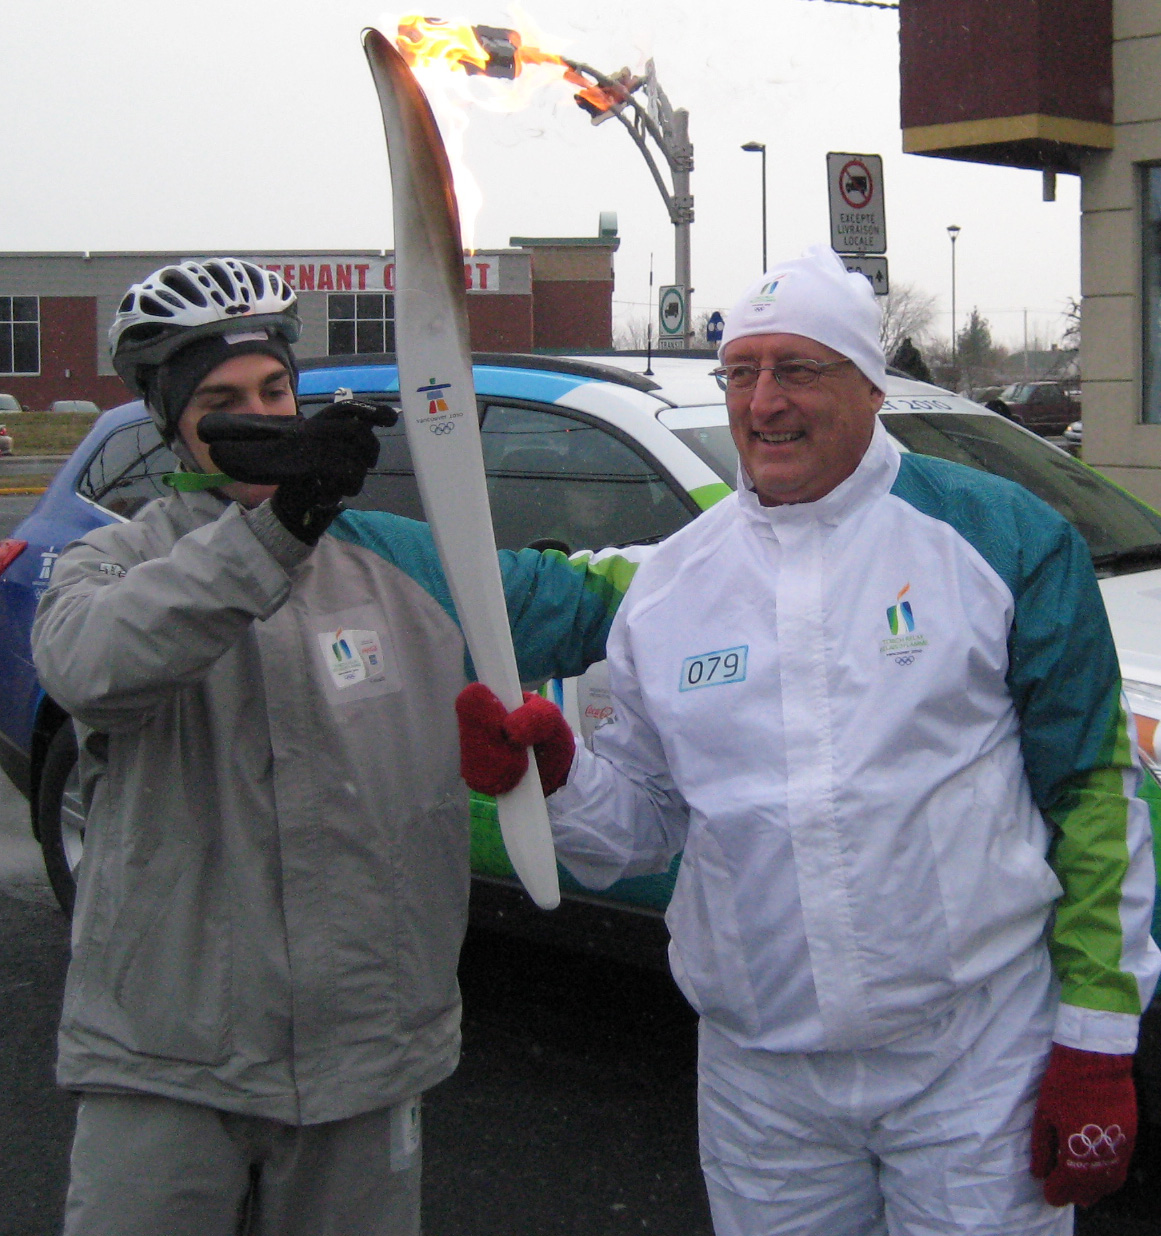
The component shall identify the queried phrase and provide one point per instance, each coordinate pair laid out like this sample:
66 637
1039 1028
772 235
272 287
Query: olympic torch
442 425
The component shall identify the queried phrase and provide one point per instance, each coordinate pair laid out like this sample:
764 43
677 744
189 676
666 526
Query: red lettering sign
343 277
482 274
362 276
326 278
389 276
306 278
288 275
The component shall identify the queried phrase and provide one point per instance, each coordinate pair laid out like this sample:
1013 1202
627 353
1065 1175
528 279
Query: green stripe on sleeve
1090 856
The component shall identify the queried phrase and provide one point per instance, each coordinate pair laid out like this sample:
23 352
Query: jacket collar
870 480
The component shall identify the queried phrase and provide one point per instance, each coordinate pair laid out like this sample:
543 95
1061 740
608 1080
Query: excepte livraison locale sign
858 217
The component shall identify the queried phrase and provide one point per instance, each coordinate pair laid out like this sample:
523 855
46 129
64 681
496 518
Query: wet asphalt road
572 1112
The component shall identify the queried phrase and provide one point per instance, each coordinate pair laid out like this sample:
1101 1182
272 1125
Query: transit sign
671 325
858 218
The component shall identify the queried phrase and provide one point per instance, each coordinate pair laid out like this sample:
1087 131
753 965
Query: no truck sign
858 220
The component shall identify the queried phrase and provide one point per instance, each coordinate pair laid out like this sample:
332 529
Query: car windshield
1121 532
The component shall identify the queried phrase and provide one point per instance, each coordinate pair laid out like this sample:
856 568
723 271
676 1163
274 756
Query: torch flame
432 45
431 40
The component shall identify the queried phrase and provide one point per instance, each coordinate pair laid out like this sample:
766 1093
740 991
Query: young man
875 700
275 881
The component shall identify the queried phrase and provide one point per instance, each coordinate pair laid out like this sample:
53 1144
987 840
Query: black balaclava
172 384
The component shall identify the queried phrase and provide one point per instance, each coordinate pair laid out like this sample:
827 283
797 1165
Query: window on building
1151 295
360 322
19 334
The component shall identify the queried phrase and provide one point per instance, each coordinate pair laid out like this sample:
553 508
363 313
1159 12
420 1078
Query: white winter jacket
886 728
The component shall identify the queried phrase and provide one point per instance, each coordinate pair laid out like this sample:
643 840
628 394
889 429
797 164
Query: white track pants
927 1135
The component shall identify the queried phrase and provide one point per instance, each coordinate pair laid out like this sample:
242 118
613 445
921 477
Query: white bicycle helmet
192 300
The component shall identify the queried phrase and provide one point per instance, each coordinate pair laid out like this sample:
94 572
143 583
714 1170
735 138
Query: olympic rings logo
1093 1142
442 427
904 660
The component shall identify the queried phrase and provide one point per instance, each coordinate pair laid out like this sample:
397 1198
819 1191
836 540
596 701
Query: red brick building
55 308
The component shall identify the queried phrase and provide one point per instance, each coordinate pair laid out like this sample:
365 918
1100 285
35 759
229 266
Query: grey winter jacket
275 880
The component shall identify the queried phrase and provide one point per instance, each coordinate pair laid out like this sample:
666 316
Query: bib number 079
714 669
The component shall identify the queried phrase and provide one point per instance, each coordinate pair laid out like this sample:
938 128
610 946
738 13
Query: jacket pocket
167 964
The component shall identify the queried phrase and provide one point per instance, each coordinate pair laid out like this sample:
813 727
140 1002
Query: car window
559 478
1110 520
126 471
550 477
714 445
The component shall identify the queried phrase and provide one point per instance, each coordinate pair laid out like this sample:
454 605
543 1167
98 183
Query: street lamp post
953 232
751 147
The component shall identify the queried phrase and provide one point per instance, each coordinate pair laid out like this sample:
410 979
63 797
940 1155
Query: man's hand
1085 1125
494 742
315 462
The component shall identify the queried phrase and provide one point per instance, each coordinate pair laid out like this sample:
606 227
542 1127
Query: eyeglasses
787 373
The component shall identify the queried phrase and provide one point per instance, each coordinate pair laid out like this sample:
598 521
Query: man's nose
767 395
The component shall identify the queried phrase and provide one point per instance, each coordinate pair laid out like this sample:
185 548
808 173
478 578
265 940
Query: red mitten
494 743
541 726
489 761
1085 1125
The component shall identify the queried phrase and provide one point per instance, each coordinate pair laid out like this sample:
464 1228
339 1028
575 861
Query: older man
875 700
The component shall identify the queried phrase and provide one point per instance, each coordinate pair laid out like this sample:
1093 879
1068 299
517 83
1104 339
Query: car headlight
1145 701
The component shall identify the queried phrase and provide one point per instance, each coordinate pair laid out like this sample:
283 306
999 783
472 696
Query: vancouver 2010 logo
899 615
434 392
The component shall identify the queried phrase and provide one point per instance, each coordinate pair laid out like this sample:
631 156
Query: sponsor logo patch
352 656
906 643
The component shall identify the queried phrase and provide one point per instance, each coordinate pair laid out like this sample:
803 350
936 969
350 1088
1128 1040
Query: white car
580 453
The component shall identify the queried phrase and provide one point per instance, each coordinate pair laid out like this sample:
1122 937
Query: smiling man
875 700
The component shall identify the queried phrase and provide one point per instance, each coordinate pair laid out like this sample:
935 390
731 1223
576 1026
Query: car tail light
10 550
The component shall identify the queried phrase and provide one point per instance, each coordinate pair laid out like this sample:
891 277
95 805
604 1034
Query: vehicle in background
579 454
5 441
75 405
9 403
1074 434
1044 407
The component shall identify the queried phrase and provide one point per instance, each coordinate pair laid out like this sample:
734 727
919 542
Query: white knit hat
816 297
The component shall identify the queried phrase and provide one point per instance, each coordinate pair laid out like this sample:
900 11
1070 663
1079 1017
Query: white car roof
685 382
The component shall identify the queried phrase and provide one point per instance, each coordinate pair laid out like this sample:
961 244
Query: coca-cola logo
598 713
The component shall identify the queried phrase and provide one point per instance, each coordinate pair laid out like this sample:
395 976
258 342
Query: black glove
314 462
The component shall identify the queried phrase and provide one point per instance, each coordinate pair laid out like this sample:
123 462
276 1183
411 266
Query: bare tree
630 333
908 313
1070 338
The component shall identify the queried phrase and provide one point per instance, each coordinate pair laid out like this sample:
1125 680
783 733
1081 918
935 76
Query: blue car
576 457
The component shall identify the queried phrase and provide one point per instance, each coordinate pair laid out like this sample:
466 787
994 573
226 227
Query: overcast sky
252 124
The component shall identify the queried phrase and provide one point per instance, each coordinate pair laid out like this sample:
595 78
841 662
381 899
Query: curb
22 491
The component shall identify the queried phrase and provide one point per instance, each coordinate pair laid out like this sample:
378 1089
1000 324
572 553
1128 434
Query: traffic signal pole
668 127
